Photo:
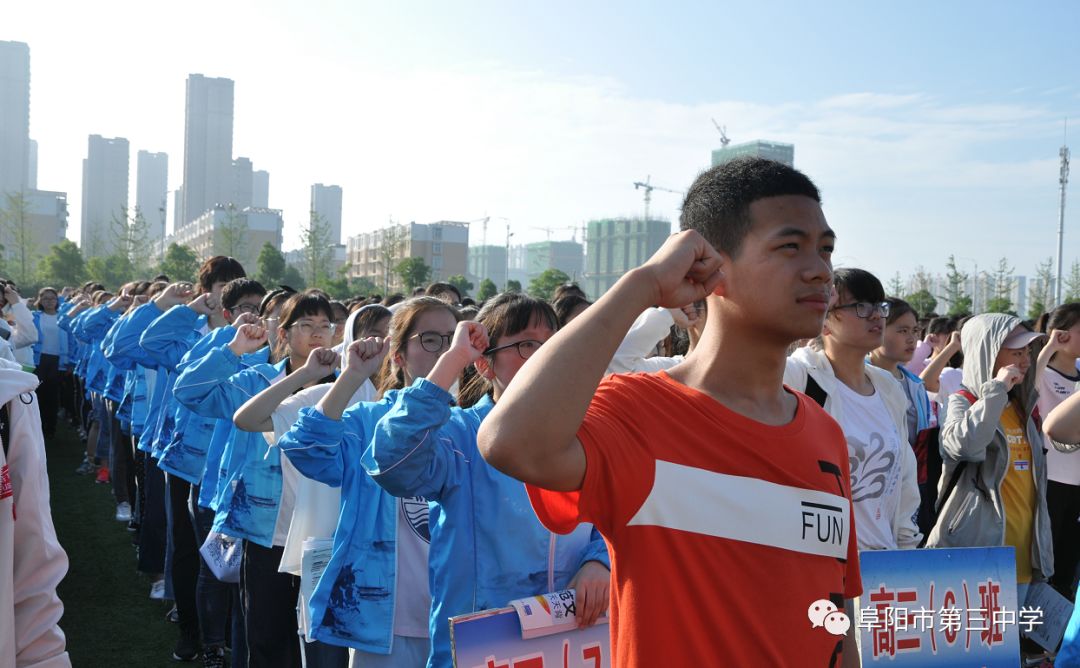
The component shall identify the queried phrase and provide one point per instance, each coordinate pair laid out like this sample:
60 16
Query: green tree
413 271
363 285
955 291
1071 287
270 267
64 265
513 286
896 285
1001 284
180 263
20 242
131 239
112 271
922 301
293 278
1041 294
317 252
232 235
544 285
391 243
488 290
463 285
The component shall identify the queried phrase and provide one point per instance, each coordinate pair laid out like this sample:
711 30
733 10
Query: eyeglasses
308 328
867 309
245 308
433 342
525 349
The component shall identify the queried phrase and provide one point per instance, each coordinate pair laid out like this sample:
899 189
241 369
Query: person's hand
321 362
248 339
954 346
78 308
206 304
174 295
139 300
685 269
246 319
11 295
119 303
591 586
1010 375
364 356
684 317
1059 338
469 342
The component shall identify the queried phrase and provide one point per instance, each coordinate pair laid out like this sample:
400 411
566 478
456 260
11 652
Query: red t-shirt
721 530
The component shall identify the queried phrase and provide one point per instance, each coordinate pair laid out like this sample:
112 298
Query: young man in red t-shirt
724 497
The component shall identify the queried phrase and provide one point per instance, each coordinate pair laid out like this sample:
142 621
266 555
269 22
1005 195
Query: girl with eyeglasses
871 408
373 596
487 546
249 502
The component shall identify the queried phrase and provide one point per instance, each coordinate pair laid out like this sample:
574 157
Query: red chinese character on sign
883 634
909 620
993 632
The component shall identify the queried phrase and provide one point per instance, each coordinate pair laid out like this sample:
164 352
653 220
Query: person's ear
485 368
398 359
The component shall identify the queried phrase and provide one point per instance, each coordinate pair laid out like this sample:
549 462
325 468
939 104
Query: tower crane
549 230
648 187
722 129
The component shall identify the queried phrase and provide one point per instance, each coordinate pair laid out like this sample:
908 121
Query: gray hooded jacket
973 515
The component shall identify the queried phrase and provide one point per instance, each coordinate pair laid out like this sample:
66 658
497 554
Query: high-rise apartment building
152 191
326 204
104 195
617 245
14 116
208 135
758 148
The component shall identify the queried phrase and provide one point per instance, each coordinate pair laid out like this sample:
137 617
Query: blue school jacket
353 603
248 490
487 547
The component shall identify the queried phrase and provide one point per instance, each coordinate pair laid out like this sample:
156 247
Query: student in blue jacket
487 547
250 499
373 595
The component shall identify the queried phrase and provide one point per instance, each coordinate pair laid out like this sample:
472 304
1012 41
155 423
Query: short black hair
237 289
219 268
718 202
897 308
441 289
859 284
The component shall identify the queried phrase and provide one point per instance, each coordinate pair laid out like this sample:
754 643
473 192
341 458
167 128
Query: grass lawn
109 618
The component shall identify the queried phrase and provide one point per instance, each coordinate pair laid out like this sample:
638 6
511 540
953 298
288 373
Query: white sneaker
123 512
157 590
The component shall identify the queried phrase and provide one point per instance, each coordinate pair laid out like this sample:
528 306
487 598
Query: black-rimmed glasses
525 349
245 308
433 342
867 309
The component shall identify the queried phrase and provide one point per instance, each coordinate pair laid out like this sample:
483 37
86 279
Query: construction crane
722 129
549 230
648 192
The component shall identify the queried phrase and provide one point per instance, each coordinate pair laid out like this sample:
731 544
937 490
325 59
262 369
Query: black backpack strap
5 429
815 391
953 480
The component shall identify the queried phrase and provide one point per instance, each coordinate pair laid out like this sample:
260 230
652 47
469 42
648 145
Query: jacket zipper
551 562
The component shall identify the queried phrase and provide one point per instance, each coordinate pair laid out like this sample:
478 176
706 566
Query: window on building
436 248
436 233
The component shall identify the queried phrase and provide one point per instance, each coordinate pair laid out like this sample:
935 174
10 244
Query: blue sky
931 128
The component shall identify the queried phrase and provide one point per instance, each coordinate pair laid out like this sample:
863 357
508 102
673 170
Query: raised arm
931 375
257 413
969 428
1055 342
1062 425
204 386
525 442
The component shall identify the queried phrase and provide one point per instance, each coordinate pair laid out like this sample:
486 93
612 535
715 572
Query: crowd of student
240 428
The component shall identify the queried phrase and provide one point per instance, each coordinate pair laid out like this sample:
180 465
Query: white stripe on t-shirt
746 509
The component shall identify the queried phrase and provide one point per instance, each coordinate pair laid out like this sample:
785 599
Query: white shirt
413 604
1055 388
874 454
50 334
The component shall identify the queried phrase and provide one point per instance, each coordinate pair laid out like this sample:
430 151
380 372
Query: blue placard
492 639
941 607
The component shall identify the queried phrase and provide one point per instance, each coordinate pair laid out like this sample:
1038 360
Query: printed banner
942 607
492 639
